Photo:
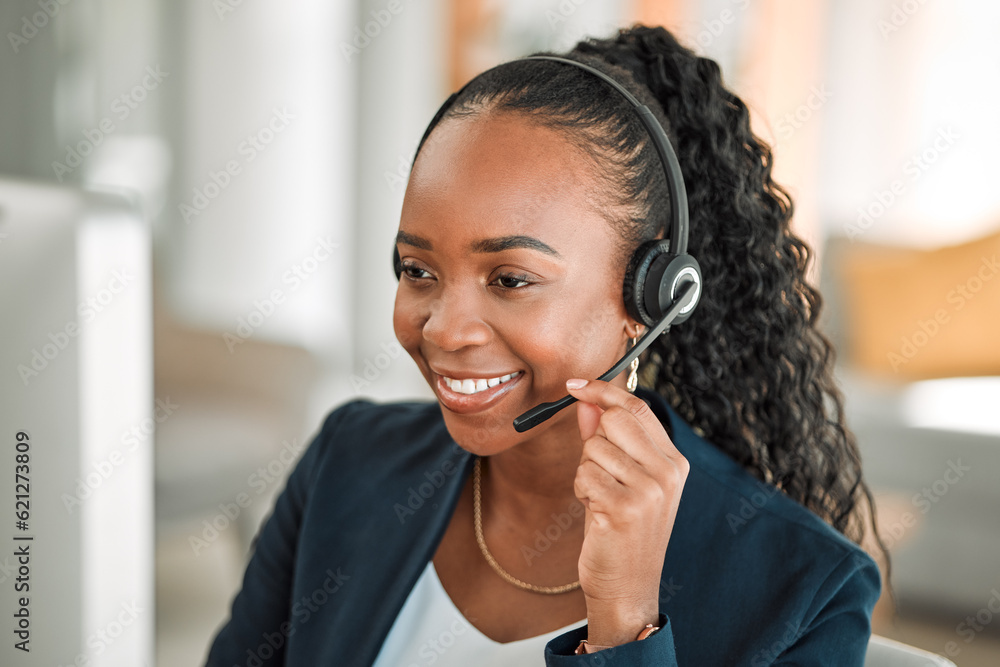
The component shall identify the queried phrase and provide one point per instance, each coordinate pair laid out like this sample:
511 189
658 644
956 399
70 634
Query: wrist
613 624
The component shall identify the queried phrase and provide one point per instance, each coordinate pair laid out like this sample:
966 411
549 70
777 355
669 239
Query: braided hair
750 371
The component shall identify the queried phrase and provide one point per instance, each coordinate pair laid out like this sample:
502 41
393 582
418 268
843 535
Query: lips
471 403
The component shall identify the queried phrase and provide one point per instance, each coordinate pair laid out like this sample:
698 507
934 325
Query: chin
482 434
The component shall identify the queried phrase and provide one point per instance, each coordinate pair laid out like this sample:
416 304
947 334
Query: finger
618 463
606 395
588 416
622 429
640 487
598 490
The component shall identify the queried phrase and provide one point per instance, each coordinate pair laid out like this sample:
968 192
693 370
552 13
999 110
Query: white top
430 630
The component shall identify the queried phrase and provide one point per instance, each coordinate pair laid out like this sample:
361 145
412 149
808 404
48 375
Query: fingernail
575 383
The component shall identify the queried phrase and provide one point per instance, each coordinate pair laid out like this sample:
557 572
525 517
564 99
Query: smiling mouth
479 397
470 386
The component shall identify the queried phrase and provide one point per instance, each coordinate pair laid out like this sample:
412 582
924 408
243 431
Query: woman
709 516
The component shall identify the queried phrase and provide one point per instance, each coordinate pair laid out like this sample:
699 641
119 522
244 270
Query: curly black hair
750 371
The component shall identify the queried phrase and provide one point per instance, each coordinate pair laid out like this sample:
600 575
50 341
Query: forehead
500 174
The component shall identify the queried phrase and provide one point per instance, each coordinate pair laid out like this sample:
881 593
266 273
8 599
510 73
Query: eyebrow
498 244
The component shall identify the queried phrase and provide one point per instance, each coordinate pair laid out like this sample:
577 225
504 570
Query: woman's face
508 268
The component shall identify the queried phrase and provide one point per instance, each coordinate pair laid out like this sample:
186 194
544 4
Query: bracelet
585 647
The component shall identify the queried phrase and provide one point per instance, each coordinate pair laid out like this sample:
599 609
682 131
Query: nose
455 321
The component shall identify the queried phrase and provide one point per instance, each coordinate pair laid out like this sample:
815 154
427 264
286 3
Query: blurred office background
267 147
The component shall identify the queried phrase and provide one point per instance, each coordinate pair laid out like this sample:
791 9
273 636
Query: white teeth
470 386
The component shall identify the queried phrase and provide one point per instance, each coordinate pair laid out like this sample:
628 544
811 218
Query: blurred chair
915 314
883 652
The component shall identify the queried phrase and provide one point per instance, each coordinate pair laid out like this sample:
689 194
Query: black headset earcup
653 278
396 267
666 275
634 290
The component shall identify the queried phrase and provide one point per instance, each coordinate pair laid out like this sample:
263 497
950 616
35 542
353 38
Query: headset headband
675 180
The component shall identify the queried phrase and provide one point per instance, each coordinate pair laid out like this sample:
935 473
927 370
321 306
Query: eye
513 277
505 281
407 267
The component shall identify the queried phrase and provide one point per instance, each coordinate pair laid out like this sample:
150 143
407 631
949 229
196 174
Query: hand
629 480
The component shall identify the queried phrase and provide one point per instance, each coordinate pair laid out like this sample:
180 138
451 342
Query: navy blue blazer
750 577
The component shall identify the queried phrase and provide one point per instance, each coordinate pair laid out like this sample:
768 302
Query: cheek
406 323
582 340
595 329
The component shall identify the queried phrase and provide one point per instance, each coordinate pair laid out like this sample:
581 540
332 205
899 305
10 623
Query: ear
634 329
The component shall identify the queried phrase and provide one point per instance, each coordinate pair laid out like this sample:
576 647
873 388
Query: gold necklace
478 521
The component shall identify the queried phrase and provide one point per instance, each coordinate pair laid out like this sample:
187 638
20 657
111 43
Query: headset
662 284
